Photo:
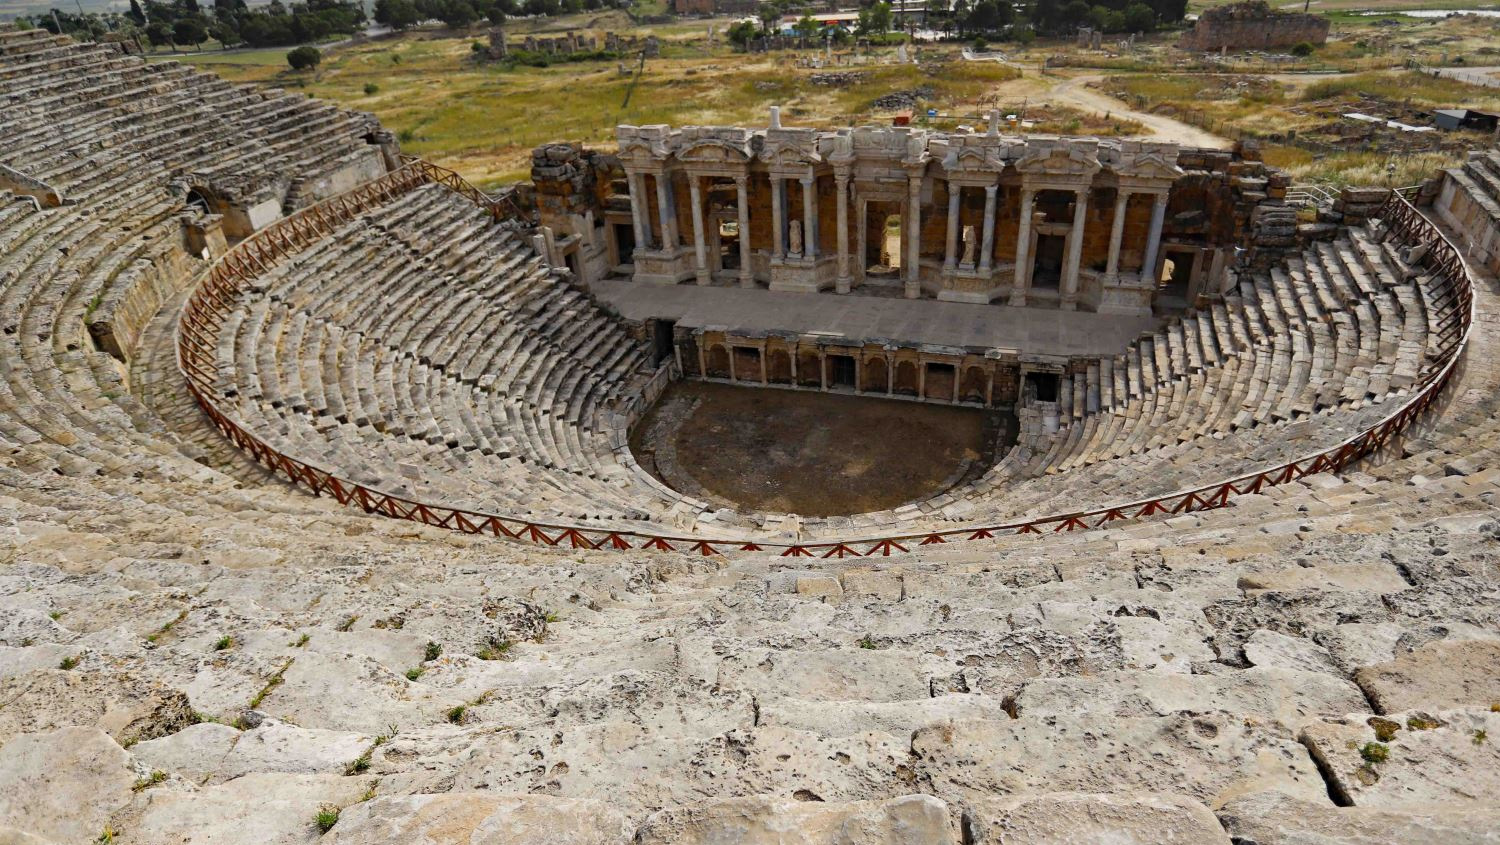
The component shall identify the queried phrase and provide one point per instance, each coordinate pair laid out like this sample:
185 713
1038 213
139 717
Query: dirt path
1074 93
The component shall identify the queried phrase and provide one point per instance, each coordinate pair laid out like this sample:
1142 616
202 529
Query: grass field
484 119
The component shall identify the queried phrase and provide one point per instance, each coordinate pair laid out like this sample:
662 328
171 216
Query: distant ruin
1253 25
572 42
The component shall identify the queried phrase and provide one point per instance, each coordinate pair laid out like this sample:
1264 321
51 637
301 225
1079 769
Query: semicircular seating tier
424 350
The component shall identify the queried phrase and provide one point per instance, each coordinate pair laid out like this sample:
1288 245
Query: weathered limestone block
1279 651
879 584
767 821
126 707
1274 818
1208 757
1080 817
267 809
1438 676
63 784
195 752
1287 696
1425 760
820 587
479 818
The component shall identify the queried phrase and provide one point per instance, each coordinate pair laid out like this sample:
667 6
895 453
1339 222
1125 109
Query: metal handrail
214 295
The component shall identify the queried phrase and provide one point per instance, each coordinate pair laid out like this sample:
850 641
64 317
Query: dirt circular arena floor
817 454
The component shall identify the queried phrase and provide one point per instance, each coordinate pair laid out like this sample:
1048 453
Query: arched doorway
778 366
875 378
717 361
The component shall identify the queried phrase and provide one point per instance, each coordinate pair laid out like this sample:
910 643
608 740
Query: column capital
806 180
742 180
991 189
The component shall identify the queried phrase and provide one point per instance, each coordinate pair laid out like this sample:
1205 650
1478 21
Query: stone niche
1253 25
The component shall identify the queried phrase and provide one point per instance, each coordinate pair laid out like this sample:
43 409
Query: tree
807 26
880 18
304 57
1139 17
190 31
396 14
458 14
741 33
159 33
135 14
768 15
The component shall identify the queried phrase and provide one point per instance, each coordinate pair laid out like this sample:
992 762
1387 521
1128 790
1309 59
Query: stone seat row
1296 366
91 103
426 350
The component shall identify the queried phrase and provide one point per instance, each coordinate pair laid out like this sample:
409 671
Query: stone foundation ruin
1253 25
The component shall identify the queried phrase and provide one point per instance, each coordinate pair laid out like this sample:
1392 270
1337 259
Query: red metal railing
215 295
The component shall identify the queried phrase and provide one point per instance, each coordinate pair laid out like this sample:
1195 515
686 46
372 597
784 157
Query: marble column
1153 239
639 219
778 226
950 257
843 284
1116 235
914 237
741 186
700 239
987 240
1069 293
809 217
1023 249
664 211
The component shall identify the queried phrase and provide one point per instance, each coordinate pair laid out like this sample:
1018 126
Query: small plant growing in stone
106 836
867 641
551 617
494 649
327 817
301 641
271 683
1495 708
1422 723
456 714
1374 752
149 781
1480 736
414 673
224 643
55 615
348 624
1385 729
67 663
359 765
433 652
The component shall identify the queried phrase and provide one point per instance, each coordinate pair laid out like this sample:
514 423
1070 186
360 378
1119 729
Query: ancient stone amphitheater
1234 581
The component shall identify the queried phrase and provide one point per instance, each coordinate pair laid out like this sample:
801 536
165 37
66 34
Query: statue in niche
968 259
794 237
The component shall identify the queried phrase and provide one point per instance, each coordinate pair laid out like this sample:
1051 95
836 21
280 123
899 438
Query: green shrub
304 57
371 88
1374 752
1303 49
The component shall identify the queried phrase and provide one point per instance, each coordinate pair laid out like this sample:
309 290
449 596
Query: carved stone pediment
973 159
785 155
710 151
1149 167
1060 160
640 154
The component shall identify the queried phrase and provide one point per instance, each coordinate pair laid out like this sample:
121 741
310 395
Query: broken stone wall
1253 26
